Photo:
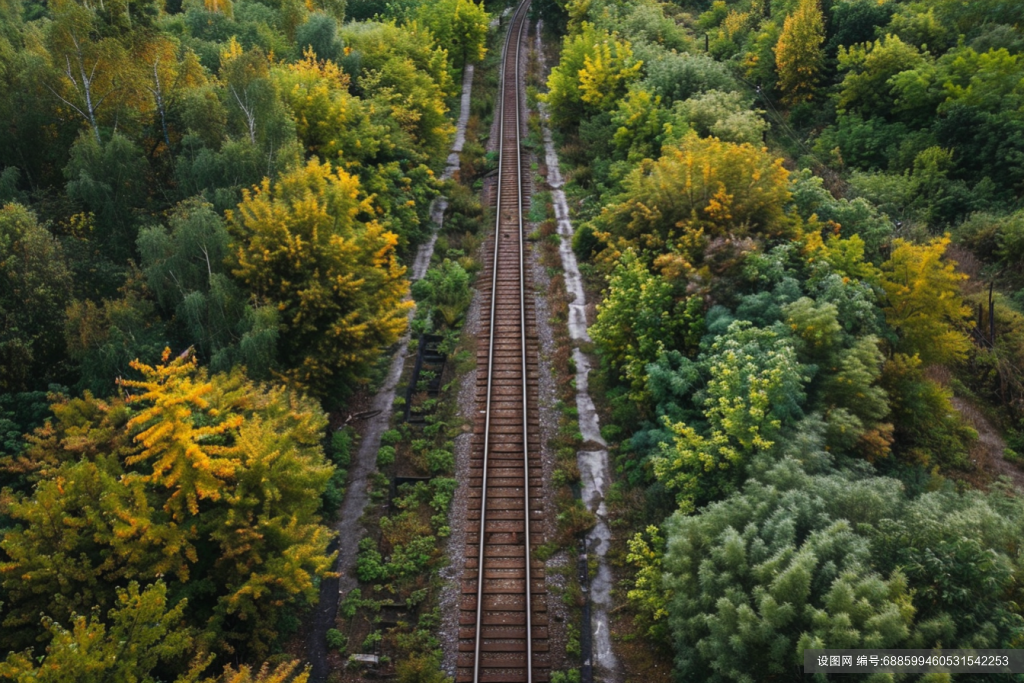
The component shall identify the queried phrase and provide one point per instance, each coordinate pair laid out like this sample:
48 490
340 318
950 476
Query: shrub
336 640
440 460
385 456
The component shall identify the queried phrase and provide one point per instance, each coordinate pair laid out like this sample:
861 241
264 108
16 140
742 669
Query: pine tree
798 54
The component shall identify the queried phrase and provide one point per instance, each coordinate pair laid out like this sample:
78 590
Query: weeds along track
503 622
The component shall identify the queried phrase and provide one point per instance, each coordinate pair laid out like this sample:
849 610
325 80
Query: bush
341 447
440 461
336 640
385 456
570 676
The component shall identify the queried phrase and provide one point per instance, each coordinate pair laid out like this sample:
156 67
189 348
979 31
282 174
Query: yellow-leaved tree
302 247
699 190
181 452
923 302
798 54
607 73
210 484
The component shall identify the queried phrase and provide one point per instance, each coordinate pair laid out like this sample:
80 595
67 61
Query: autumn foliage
305 248
190 479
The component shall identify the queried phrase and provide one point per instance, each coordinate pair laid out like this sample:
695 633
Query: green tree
333 278
754 390
109 179
727 116
798 54
320 34
778 568
184 265
105 338
593 74
35 290
867 87
459 26
639 319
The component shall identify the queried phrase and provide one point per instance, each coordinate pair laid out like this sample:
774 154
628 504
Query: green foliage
755 388
36 289
440 461
342 442
788 571
319 34
824 310
385 457
639 319
459 26
680 76
724 115
928 430
594 73
336 640
108 179
570 676
443 294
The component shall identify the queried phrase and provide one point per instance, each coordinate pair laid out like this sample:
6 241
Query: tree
90 73
140 633
798 54
404 76
183 456
778 568
35 288
105 338
459 26
593 74
727 116
867 87
109 180
329 120
923 302
184 265
320 34
754 390
333 278
607 73
212 484
639 319
701 189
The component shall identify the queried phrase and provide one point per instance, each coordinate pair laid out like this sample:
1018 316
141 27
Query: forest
805 221
804 224
208 209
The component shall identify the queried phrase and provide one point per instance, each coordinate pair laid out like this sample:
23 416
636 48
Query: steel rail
516 17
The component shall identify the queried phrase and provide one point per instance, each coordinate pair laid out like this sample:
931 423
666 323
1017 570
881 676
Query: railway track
503 634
